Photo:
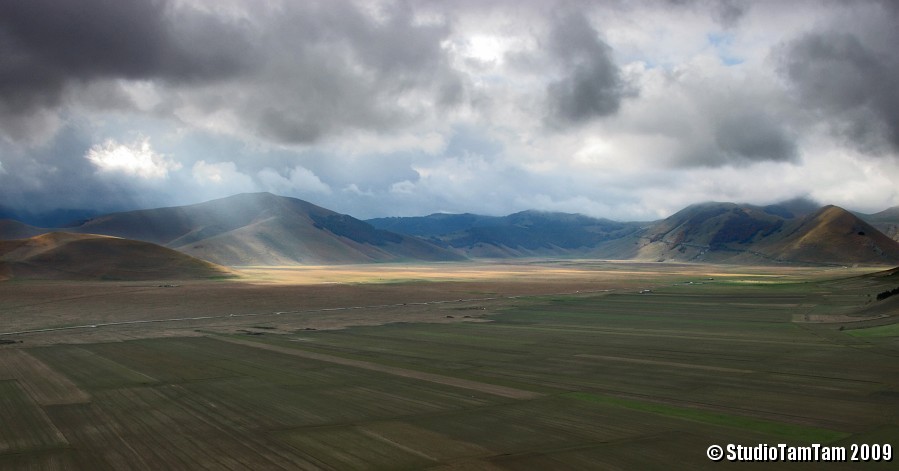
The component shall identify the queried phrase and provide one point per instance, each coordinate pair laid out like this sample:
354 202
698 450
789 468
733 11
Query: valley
502 365
264 332
450 236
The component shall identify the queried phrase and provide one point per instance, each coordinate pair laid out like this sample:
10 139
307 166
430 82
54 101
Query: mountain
727 232
54 218
527 233
13 229
706 231
264 229
834 234
886 221
62 255
434 225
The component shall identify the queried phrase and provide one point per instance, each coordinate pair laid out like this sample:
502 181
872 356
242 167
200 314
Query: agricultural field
565 366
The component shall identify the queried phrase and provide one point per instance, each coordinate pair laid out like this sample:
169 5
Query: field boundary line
496 390
642 361
640 333
43 383
41 413
383 439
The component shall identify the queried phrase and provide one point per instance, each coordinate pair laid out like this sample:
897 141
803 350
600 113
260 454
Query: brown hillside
60 255
834 235
730 233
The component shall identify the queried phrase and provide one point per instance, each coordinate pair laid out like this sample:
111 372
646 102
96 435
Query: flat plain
526 365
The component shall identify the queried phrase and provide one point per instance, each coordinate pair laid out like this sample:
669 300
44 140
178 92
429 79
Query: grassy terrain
615 380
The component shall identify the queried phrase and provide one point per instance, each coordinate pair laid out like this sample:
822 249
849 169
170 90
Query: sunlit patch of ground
397 273
529 270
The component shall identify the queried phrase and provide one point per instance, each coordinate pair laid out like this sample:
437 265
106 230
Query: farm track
639 333
642 361
503 391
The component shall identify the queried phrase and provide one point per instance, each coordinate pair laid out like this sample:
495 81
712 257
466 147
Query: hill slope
834 234
886 221
264 229
13 229
726 232
67 256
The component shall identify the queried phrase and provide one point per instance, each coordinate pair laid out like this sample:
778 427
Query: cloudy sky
622 109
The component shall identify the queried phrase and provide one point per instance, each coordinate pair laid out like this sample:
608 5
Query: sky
629 110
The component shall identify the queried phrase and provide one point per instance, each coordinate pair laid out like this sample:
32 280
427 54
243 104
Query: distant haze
628 110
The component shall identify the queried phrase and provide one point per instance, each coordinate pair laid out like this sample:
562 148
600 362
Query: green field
619 380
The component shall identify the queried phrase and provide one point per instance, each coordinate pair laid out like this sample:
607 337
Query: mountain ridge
718 232
265 229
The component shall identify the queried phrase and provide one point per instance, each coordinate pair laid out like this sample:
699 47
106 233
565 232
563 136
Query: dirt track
494 389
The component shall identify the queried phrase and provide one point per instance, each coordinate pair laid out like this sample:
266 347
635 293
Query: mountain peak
264 229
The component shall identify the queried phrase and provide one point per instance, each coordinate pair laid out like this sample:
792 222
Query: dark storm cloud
290 73
716 120
50 46
729 12
744 136
592 85
849 79
330 67
293 74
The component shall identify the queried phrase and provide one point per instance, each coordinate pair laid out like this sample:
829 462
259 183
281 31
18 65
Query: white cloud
222 175
136 159
299 180
404 187
353 189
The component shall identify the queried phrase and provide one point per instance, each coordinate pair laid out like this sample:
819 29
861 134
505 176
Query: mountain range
527 233
797 231
264 229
